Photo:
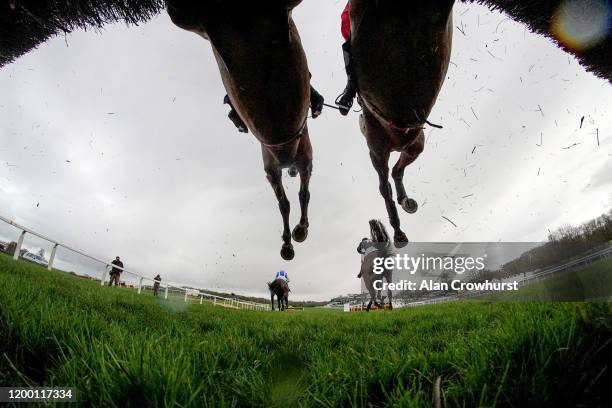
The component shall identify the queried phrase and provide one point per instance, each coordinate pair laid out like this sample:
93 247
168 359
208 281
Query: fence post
185 296
201 298
166 294
140 286
103 275
19 244
52 257
215 301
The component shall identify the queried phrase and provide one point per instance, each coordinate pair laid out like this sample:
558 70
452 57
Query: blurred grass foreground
118 348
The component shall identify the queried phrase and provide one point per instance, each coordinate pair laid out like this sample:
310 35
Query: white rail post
166 294
185 296
140 286
52 257
103 275
201 298
19 244
215 301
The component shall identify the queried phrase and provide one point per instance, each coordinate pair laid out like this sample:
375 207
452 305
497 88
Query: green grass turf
118 348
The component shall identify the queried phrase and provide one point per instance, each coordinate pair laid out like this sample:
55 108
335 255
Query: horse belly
266 78
401 54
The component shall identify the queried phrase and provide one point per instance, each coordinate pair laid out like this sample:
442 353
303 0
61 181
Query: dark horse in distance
265 73
280 289
400 55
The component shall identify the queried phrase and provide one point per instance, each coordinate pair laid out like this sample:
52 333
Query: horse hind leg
380 163
372 291
274 176
408 156
389 279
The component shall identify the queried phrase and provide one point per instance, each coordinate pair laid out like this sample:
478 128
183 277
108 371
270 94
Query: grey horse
381 246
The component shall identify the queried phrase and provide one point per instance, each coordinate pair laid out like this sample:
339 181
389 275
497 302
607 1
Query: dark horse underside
265 73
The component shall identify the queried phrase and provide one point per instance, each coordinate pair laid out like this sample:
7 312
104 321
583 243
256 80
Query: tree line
563 244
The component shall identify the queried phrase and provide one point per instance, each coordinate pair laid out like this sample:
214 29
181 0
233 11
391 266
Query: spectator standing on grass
157 281
115 272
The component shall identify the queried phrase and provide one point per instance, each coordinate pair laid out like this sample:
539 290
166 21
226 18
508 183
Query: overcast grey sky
122 139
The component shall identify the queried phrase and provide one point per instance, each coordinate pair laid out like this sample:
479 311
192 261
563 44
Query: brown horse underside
401 51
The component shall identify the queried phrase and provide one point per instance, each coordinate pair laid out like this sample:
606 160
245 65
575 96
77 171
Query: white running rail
188 293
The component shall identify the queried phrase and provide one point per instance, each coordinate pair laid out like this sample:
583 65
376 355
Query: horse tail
383 231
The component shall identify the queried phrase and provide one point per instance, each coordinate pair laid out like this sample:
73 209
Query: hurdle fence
188 294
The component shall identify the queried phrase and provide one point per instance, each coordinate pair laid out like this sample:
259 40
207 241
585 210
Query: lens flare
582 24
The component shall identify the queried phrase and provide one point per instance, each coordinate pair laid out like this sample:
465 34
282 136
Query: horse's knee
397 174
416 150
385 190
304 195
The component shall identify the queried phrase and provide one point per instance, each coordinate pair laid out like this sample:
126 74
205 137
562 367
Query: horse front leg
304 166
300 231
274 176
272 301
408 156
380 162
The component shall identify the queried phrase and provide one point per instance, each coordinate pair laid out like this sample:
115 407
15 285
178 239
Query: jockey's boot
345 100
234 117
316 102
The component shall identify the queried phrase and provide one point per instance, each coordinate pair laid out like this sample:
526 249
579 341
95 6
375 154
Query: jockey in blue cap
282 275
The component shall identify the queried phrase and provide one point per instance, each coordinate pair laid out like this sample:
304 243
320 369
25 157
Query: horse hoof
409 205
287 252
400 238
300 232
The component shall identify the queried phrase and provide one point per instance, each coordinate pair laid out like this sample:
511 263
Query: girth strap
297 135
